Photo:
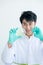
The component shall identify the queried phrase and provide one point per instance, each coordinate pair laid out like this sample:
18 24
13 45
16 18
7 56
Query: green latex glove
37 33
13 36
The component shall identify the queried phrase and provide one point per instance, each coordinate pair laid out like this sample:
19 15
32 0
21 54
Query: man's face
28 26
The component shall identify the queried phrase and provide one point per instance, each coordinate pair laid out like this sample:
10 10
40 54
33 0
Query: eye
30 23
24 23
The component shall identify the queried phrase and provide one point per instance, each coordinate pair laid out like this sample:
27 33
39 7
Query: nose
28 27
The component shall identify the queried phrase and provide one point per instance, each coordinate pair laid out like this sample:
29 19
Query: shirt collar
28 37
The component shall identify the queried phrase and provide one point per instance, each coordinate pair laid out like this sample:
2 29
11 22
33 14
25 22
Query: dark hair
28 16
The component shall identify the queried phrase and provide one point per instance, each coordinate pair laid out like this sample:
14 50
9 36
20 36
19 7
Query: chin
29 34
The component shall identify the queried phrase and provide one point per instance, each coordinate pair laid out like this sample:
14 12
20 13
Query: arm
9 45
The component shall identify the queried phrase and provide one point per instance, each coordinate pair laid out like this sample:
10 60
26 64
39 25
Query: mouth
29 33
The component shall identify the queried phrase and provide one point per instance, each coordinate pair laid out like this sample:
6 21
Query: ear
35 23
22 26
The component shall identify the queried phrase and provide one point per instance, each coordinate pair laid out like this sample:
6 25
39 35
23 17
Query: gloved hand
13 36
37 33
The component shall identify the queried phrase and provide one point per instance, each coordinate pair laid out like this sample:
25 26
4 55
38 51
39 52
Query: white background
10 11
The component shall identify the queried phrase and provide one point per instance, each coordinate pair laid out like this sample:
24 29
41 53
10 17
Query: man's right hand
13 37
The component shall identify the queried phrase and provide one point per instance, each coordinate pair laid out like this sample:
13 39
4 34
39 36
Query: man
28 49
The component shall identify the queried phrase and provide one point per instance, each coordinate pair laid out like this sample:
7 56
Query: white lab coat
25 50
